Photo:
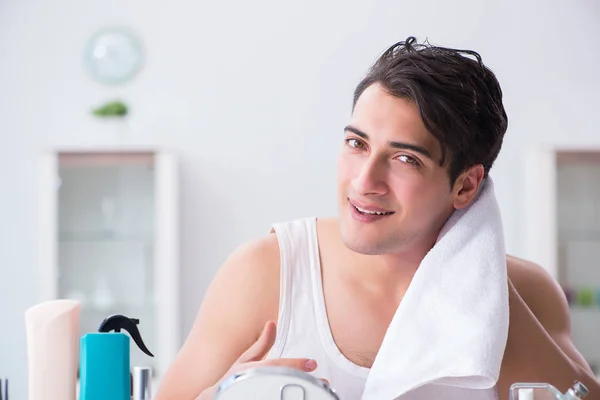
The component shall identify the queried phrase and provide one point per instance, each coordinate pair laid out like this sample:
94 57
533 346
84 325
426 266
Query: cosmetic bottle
105 359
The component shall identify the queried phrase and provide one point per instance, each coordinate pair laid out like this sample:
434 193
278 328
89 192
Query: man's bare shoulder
242 297
244 293
528 276
253 268
541 292
256 255
547 301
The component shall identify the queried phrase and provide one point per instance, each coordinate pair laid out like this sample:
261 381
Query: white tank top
302 326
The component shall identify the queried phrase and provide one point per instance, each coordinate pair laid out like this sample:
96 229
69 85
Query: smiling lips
364 213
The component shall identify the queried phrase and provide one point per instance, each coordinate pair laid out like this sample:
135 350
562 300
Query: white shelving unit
109 237
563 233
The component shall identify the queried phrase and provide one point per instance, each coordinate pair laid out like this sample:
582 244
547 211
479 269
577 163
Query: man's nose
370 179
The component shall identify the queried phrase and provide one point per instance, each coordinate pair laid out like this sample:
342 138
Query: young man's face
390 164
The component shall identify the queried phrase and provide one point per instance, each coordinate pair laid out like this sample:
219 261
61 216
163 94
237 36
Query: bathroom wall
253 97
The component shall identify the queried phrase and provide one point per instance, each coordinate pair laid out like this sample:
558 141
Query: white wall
263 85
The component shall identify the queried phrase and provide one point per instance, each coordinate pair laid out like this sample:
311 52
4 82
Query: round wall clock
114 55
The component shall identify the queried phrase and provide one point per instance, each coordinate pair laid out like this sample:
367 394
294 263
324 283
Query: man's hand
254 357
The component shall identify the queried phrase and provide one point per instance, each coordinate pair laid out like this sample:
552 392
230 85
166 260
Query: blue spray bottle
104 360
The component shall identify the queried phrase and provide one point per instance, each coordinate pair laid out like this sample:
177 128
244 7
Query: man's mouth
363 211
370 211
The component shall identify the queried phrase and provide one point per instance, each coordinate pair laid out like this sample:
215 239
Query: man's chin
361 245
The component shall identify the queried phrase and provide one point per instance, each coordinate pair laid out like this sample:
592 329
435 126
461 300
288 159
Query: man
426 126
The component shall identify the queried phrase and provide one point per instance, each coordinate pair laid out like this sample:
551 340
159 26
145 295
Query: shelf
105 236
90 306
110 238
589 310
579 234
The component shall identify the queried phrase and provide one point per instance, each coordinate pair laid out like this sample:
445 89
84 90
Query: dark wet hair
459 98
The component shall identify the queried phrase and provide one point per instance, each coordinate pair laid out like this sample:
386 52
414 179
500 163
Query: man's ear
467 185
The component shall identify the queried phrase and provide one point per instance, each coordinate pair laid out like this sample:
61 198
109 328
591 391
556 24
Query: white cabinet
109 236
564 234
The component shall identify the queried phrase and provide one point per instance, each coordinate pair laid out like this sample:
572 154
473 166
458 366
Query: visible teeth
370 212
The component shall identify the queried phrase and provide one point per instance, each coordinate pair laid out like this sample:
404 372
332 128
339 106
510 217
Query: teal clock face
113 55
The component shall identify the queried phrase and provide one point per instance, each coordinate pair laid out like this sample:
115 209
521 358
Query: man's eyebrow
398 145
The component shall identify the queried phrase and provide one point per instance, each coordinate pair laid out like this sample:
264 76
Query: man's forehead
385 117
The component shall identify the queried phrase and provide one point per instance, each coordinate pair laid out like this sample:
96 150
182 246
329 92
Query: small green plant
111 109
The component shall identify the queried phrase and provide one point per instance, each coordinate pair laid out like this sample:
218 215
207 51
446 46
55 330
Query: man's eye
408 159
357 144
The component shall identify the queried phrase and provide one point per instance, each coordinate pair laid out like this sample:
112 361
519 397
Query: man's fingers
263 344
302 364
325 380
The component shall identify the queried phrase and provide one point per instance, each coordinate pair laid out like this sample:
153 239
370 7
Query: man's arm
243 296
539 347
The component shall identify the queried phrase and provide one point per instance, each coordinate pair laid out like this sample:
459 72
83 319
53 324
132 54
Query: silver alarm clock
274 383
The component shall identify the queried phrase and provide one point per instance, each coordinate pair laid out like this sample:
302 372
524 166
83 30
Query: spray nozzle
118 322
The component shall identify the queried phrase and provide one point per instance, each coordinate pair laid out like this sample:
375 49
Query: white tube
53 349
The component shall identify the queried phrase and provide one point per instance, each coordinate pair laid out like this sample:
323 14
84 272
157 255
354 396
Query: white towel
447 338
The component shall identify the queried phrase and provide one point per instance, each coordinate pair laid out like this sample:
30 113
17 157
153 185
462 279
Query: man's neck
386 275
389 273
